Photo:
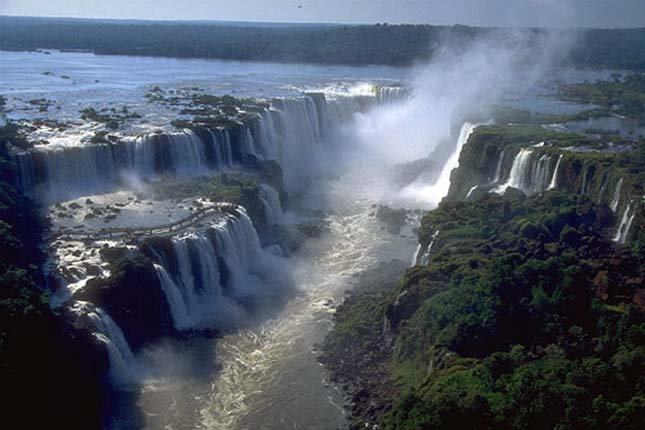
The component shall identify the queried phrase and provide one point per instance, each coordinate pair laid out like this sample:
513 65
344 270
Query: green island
623 95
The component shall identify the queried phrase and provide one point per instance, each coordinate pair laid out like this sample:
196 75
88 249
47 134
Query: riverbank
516 290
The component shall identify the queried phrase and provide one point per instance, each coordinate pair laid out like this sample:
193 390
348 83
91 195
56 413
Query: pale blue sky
579 13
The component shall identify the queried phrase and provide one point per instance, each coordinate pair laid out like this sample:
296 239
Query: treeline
381 44
525 318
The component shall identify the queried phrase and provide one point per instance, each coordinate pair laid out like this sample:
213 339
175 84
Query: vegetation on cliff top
526 317
596 163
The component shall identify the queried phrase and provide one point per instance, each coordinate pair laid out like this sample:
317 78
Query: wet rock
394 219
133 297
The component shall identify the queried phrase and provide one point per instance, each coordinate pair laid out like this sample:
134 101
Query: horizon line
296 23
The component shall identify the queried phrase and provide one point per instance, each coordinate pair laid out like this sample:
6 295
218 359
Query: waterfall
425 258
530 175
624 226
390 94
471 190
89 168
212 270
519 172
287 132
616 197
434 193
554 178
498 168
415 256
271 203
539 178
105 330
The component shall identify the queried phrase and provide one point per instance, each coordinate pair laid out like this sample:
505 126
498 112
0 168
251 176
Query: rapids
268 373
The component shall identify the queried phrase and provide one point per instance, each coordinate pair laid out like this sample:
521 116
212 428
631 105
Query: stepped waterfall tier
286 131
206 260
203 244
529 174
206 275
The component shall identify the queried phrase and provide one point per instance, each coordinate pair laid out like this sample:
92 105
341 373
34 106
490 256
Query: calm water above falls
77 80
74 81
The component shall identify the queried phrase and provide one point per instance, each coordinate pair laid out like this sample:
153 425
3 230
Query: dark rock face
406 173
133 297
359 363
394 219
60 379
160 246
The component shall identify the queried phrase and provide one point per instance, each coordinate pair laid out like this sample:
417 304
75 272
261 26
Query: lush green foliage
517 338
522 320
396 45
623 96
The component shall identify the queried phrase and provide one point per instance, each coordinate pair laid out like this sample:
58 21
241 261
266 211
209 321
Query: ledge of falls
286 130
536 163
142 246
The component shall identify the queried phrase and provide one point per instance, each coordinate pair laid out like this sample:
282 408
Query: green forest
523 320
381 44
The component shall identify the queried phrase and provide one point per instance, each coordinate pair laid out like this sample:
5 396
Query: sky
543 13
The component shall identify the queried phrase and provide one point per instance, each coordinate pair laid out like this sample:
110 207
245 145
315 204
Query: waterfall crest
209 273
271 203
286 132
106 331
625 224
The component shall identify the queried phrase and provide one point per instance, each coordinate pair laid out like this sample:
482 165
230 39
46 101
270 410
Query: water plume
460 85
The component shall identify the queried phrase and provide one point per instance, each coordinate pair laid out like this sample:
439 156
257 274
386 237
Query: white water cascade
530 175
471 191
540 178
91 167
425 257
122 362
434 193
517 177
498 168
624 226
415 256
287 131
271 202
554 178
616 197
212 270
